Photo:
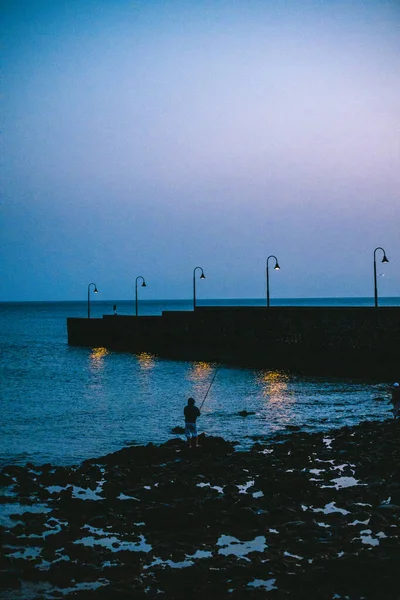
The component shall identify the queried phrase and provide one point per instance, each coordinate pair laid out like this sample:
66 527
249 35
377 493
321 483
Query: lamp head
277 267
144 283
202 276
95 290
385 258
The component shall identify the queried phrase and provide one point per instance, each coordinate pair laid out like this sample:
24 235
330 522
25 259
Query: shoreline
314 515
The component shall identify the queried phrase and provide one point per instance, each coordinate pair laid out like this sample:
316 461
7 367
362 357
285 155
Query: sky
150 137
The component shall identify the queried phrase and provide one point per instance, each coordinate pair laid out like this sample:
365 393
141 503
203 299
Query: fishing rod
209 387
181 429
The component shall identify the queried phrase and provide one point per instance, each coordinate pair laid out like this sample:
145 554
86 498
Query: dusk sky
150 137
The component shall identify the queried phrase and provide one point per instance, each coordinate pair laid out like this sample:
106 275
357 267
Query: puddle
188 562
170 563
343 466
45 564
125 497
26 553
268 584
18 509
79 587
77 492
343 482
213 487
293 555
231 545
331 508
243 488
258 494
112 542
366 537
357 522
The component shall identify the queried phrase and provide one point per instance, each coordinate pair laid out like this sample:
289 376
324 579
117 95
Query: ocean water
63 404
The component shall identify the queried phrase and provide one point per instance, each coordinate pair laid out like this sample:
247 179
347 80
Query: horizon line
199 301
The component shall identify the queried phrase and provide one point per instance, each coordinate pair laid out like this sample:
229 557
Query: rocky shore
310 516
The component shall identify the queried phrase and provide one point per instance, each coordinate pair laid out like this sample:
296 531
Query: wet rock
230 489
389 508
178 429
176 512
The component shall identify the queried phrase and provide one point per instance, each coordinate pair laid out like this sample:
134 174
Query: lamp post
276 267
88 297
384 260
202 276
136 291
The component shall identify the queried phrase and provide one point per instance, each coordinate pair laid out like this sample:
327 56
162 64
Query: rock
177 509
230 489
178 429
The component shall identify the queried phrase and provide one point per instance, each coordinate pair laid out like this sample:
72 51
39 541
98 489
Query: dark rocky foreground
315 516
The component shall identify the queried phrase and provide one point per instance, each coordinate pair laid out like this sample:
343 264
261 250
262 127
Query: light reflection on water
201 375
118 398
146 361
97 356
274 385
200 371
63 404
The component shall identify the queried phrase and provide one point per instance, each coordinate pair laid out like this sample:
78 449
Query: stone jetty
308 516
329 341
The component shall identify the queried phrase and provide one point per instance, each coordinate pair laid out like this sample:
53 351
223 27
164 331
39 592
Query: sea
61 404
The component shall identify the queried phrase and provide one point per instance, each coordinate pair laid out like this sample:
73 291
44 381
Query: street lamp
202 276
384 260
136 292
88 297
276 267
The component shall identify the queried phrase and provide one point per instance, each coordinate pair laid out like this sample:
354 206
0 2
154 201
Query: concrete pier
335 341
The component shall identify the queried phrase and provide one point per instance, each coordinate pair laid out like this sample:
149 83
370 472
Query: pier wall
351 341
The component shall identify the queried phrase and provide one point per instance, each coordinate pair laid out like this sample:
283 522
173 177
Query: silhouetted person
191 413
